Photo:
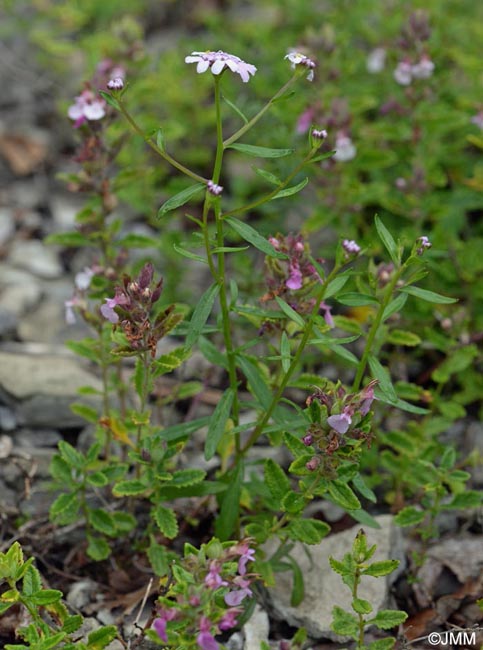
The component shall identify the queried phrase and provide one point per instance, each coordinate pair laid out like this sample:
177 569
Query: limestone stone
323 588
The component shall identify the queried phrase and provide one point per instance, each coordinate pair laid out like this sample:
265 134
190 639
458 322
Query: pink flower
297 58
345 149
247 555
107 310
205 639
229 619
213 580
403 73
424 244
275 243
308 440
294 281
376 60
340 422
83 279
423 69
367 395
305 120
160 623
327 314
478 120
87 107
70 318
235 597
218 61
319 134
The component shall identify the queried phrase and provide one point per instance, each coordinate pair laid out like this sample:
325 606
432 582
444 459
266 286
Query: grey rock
8 323
42 387
35 257
256 629
35 438
8 421
64 210
8 499
19 299
6 446
38 502
324 588
31 193
7 225
81 593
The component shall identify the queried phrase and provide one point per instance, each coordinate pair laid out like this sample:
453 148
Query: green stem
157 149
258 431
361 622
220 275
238 134
375 327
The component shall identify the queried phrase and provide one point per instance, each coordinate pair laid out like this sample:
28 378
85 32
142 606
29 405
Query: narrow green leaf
399 403
260 152
290 312
250 235
298 588
343 496
360 485
180 199
322 156
189 254
394 306
285 352
68 239
388 240
201 314
256 381
170 361
179 431
335 285
428 296
380 373
353 299
134 240
87 412
271 178
230 249
289 191
403 337
230 505
235 108
409 516
110 100
342 352
218 422
160 139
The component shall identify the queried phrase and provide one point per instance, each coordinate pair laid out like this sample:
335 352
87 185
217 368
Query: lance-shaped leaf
260 152
388 240
180 199
428 296
254 238
217 424
201 314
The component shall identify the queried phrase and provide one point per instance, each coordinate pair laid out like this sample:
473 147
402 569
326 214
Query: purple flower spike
213 580
205 639
229 619
308 440
159 626
248 555
294 281
340 422
218 61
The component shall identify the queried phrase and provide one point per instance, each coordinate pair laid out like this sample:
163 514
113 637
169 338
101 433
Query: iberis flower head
218 61
297 58
87 107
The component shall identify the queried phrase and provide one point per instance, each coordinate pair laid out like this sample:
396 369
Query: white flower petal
94 111
192 59
218 66
202 66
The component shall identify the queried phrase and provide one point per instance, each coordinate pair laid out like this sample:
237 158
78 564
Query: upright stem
258 431
225 311
375 328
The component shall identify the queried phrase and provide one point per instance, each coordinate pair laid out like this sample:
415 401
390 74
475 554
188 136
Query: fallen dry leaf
23 153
